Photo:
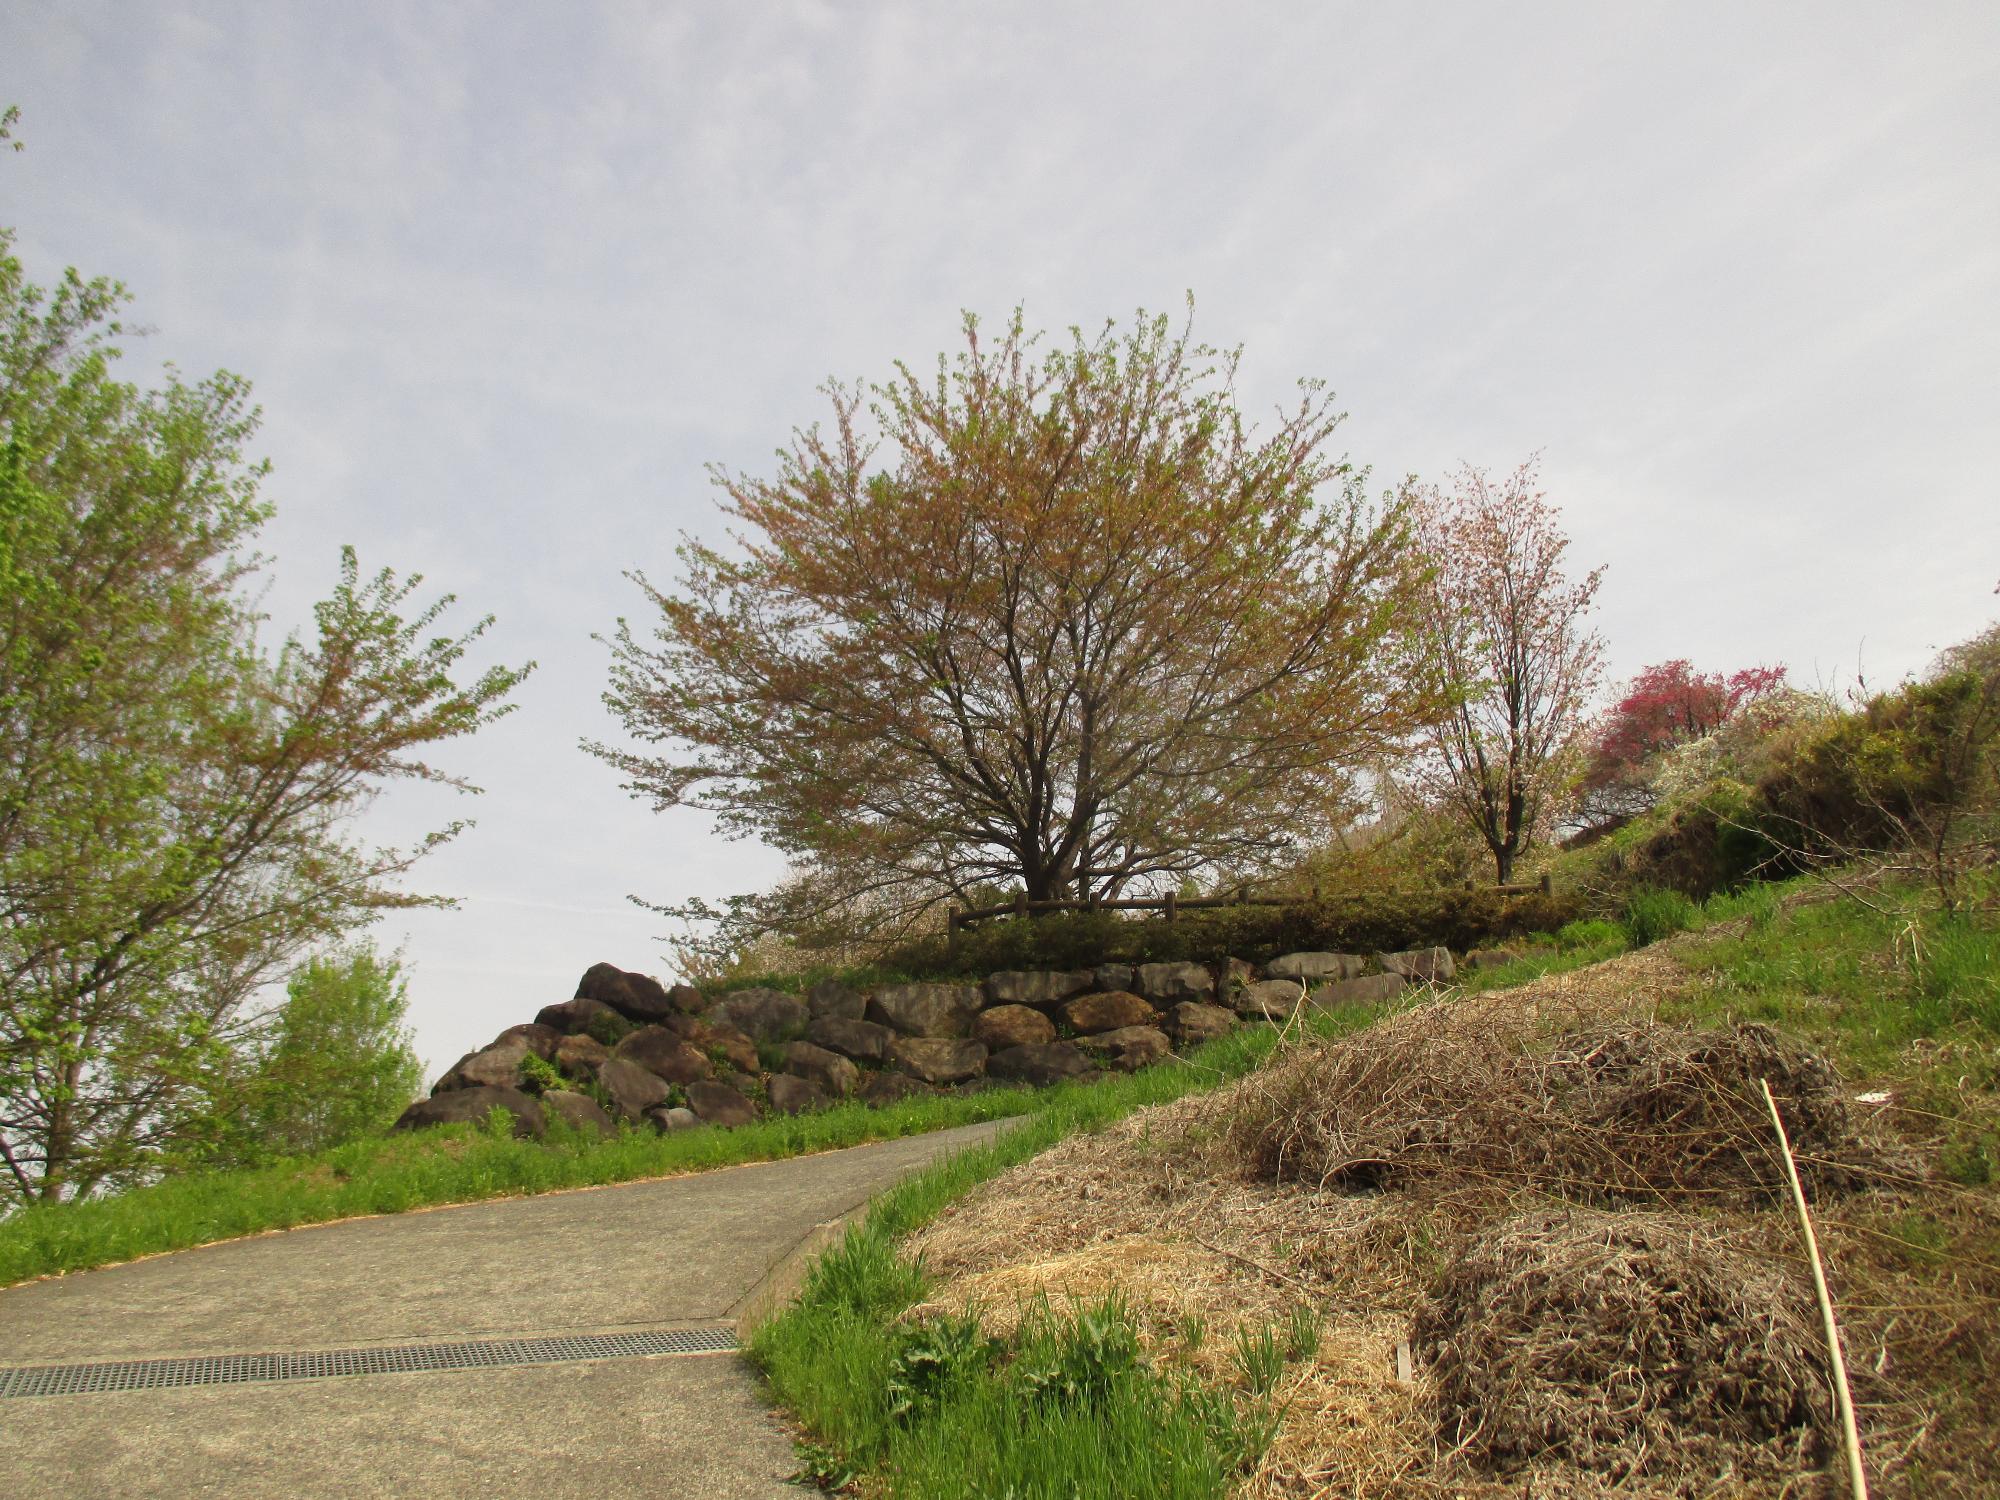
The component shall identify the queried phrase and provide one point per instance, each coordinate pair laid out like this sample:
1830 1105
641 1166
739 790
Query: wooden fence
957 921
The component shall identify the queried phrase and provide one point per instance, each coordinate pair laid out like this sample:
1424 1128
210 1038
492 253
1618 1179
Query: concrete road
686 1252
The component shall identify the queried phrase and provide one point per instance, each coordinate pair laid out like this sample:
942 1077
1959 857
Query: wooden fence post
1173 905
1548 884
951 932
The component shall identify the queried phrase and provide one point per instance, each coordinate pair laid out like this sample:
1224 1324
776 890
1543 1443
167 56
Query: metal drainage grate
237 1369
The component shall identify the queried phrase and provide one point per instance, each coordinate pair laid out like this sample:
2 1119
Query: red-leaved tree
1508 632
1665 706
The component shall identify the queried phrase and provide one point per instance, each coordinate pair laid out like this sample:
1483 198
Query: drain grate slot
321 1364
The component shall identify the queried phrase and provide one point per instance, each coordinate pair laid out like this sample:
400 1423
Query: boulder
1169 984
688 1000
745 1084
495 1067
791 1095
1369 989
540 1040
1005 1026
719 1104
1420 965
878 1089
1129 1048
580 1110
1037 986
727 1045
1270 999
834 1074
1107 1012
667 1121
580 1056
850 1038
1042 1064
763 1015
1314 967
1111 977
1191 1023
831 999
633 1089
1234 975
925 1010
459 1106
573 1017
637 997
938 1060
1489 958
663 1054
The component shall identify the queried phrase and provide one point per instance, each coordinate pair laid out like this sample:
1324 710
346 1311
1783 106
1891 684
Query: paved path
683 1253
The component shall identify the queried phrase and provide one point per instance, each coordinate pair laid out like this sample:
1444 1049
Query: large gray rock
1129 1048
573 1017
495 1067
1190 1023
938 1060
1169 984
471 1106
833 1073
637 997
878 1089
580 1057
540 1040
663 1054
1490 958
1106 1012
1369 989
1270 999
832 999
633 1089
1111 977
1420 965
858 1039
719 1104
1315 967
667 1121
925 1010
1037 986
579 1110
1040 1065
765 1015
1004 1026
791 1095
727 1047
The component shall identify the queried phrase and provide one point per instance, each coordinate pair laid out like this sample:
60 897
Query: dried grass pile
1627 1344
1455 1098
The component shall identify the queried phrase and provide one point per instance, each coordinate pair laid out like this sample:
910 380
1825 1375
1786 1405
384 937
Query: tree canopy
1080 628
173 794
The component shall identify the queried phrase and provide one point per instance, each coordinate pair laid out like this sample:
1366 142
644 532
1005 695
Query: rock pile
628 1049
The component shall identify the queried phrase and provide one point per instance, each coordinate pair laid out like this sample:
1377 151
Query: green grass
840 1360
452 1164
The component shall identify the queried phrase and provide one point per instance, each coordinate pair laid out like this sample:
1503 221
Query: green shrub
539 1076
608 1027
1368 922
1652 913
1591 932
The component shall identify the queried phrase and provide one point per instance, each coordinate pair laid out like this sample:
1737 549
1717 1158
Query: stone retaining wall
627 1048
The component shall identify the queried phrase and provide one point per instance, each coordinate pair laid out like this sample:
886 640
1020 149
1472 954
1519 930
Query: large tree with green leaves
1078 629
175 796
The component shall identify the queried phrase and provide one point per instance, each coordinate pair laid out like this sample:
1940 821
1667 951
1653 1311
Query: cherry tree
1512 649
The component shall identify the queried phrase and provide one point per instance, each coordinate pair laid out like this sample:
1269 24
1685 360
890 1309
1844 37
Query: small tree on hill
1081 631
1512 651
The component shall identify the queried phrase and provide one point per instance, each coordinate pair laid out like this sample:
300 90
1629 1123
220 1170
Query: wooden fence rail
957 921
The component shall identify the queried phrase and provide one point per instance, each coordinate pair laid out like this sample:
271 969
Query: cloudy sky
506 277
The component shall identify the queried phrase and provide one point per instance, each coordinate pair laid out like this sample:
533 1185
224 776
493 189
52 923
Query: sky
507 279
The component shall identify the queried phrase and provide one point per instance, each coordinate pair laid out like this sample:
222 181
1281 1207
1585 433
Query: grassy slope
1909 1006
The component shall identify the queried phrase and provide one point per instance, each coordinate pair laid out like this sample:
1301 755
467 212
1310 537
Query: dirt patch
1626 1344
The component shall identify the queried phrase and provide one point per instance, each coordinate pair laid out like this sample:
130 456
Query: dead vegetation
1566 1214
